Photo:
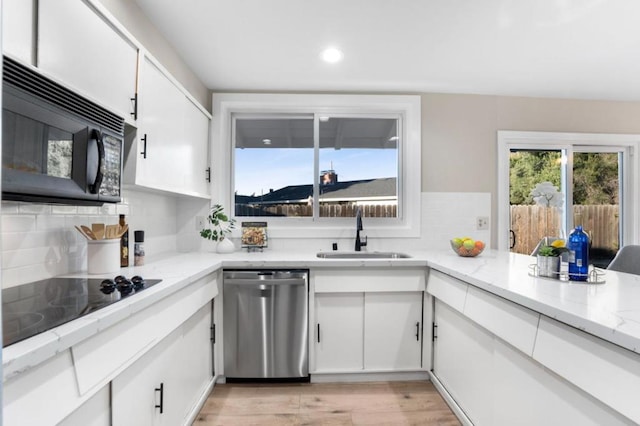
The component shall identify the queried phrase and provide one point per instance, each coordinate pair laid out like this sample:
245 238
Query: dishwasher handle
255 282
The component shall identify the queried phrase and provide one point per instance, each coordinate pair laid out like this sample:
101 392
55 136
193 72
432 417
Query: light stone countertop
610 311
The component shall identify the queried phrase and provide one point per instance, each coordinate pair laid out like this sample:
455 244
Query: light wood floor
380 403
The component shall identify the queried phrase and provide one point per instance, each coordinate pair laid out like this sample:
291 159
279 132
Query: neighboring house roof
339 191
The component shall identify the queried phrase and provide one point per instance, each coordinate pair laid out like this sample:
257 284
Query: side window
592 177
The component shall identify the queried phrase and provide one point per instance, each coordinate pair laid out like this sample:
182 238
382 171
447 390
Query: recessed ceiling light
332 55
266 141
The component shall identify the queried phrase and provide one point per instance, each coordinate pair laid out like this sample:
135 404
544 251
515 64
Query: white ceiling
587 49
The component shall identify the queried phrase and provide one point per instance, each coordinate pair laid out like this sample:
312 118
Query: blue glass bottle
578 245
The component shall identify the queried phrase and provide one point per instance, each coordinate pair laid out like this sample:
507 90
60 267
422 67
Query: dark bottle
578 245
124 245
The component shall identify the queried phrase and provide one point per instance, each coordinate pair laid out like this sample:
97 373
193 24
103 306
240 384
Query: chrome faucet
359 243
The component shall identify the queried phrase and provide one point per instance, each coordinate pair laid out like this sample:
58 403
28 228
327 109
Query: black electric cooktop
36 307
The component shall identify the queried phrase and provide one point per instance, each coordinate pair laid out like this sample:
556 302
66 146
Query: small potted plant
548 259
221 226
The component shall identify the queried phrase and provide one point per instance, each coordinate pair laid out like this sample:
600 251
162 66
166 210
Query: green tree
528 168
595 176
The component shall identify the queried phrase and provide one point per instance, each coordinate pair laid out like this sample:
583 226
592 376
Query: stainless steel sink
362 255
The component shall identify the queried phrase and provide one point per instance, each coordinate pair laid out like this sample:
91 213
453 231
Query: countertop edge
490 272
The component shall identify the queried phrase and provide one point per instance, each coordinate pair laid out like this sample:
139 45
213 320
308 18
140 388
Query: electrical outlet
200 223
482 223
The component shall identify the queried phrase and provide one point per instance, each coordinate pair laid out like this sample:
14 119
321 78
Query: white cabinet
159 388
392 331
339 332
462 361
170 152
95 412
196 176
18 31
367 320
495 383
83 50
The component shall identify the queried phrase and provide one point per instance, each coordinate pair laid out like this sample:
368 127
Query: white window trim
554 140
409 107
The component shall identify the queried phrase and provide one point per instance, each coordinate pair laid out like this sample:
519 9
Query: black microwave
57 146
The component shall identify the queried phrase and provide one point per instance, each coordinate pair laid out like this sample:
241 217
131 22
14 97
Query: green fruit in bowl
469 244
457 242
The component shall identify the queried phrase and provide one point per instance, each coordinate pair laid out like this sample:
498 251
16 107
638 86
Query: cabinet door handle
161 390
134 104
208 174
144 146
94 187
318 332
418 331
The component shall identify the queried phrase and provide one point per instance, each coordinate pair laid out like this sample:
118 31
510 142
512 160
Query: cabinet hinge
434 331
213 333
208 174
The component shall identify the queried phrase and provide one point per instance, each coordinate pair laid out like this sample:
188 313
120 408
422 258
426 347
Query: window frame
406 107
568 143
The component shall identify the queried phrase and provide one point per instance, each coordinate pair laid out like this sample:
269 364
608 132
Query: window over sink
309 162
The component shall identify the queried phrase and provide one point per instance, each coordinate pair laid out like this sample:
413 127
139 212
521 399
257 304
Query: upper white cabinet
80 48
18 34
170 152
197 176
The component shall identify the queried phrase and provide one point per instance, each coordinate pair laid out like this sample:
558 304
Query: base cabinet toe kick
500 363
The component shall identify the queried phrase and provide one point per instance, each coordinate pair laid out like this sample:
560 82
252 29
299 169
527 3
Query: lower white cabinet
357 332
339 336
393 331
95 412
162 387
494 383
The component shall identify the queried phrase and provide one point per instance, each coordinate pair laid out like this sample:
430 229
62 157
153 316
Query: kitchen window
595 176
309 163
276 158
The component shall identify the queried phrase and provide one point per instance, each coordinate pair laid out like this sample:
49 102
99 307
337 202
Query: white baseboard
457 410
193 414
368 377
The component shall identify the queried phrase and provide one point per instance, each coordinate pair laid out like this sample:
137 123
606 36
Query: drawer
513 323
43 395
99 358
447 289
368 280
605 371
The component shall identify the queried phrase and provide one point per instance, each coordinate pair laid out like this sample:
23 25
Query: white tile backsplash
39 240
446 215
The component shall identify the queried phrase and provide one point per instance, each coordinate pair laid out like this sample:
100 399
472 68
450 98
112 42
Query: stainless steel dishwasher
266 324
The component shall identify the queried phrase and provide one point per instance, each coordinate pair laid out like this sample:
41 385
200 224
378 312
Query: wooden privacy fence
531 222
326 210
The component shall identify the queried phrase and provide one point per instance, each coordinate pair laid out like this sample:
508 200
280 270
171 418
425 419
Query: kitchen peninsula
587 336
